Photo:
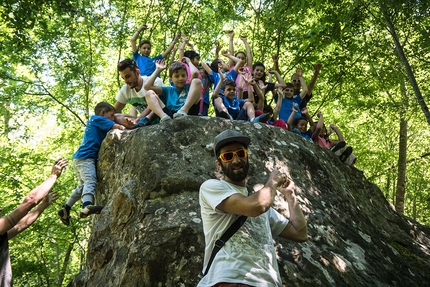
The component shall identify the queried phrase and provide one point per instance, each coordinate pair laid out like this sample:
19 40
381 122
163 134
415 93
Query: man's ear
138 71
218 163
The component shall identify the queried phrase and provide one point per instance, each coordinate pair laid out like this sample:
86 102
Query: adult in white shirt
133 92
248 258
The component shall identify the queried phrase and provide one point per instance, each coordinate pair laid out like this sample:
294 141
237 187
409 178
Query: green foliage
59 59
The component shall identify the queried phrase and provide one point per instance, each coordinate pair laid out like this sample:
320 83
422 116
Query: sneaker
338 146
64 215
165 118
225 115
262 118
142 122
179 114
346 153
90 209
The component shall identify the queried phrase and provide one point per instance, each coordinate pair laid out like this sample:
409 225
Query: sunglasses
229 155
295 81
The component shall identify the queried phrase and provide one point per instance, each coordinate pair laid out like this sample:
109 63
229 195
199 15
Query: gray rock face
150 231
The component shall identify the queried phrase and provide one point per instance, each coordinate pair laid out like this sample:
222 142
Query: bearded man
248 258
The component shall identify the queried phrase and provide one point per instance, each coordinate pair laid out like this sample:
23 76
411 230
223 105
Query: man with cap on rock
248 257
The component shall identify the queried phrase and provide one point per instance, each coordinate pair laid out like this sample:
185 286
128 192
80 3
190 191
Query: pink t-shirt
247 69
322 142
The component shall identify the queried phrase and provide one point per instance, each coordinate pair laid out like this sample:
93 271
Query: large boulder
150 231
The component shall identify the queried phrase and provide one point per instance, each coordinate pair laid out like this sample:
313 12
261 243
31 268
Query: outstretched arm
278 104
281 83
134 37
338 132
182 46
317 129
275 59
31 217
317 68
170 48
304 91
248 51
149 85
291 118
236 61
33 198
231 63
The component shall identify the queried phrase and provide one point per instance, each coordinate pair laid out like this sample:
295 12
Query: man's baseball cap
230 136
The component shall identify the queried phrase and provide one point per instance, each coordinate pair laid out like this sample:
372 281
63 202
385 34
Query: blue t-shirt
206 94
173 99
146 65
307 135
95 132
287 108
233 106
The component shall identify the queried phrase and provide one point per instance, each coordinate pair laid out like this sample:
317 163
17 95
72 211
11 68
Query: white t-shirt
249 256
137 99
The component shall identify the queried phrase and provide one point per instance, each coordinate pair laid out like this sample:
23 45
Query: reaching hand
59 165
217 46
287 188
50 198
317 67
299 71
160 65
277 178
143 27
262 85
242 71
305 111
243 38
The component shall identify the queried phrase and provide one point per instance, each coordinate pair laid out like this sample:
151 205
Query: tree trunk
402 57
401 163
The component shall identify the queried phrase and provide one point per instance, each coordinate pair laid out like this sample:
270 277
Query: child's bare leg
250 111
193 96
154 103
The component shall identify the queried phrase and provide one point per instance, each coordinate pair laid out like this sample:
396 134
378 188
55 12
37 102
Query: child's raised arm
317 68
182 46
248 51
281 83
207 68
194 71
232 59
278 104
220 82
299 73
291 117
149 85
338 132
317 128
230 48
134 37
170 48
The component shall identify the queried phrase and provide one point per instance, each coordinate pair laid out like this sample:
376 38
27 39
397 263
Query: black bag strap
223 239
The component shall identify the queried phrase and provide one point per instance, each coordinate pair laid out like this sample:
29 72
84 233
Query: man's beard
236 175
